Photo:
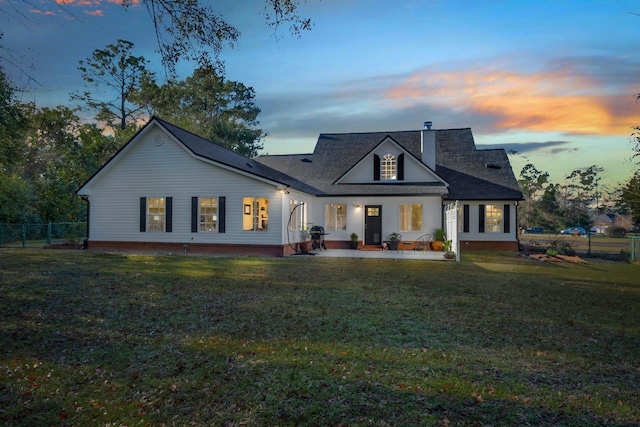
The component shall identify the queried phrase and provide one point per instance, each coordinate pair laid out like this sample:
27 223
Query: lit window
411 217
208 214
296 215
335 217
388 167
493 218
155 214
255 214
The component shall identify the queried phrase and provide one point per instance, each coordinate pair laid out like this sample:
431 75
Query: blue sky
553 80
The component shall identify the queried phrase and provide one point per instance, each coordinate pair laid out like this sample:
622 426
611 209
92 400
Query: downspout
86 199
517 226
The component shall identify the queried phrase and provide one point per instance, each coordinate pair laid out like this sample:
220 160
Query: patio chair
422 243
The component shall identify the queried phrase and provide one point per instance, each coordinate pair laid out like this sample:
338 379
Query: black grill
317 237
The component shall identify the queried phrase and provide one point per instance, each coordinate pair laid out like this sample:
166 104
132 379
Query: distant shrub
615 232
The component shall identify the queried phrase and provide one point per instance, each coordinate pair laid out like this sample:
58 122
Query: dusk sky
554 80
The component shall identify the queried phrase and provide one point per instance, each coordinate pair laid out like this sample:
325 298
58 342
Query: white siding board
169 170
414 171
474 235
431 215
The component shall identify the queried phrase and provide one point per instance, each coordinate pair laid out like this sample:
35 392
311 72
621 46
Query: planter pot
437 245
353 245
305 246
450 255
393 245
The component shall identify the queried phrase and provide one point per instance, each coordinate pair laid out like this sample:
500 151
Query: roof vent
250 165
492 166
427 125
305 160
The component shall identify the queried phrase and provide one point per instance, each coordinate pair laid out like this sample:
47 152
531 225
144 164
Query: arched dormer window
388 167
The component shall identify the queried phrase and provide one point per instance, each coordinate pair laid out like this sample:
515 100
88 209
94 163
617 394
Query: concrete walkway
353 253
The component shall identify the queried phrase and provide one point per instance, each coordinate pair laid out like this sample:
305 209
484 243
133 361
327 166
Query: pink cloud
555 101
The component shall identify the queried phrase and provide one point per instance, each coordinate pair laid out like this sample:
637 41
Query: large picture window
155 214
335 217
208 214
411 217
388 167
493 218
255 213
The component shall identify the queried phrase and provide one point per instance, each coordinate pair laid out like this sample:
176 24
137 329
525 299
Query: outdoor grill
317 237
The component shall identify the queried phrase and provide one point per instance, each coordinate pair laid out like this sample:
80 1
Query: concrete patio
388 254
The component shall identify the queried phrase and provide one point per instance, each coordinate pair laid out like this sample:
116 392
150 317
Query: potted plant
353 243
439 237
305 238
448 254
393 240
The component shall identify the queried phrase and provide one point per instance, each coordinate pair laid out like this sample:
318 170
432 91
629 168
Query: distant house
168 189
600 223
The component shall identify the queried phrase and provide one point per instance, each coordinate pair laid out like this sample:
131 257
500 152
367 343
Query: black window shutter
465 218
401 167
376 167
481 219
222 210
143 214
506 218
194 214
169 208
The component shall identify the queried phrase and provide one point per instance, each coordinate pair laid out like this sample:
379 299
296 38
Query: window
493 219
411 217
208 214
155 214
388 167
296 215
335 217
255 213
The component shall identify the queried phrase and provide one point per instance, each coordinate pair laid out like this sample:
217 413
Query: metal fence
39 235
634 248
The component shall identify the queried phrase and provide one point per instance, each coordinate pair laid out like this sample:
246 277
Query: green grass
110 340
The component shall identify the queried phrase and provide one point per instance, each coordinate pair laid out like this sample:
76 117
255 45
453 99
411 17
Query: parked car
534 230
574 230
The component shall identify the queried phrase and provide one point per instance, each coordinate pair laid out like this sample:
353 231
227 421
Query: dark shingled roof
209 150
472 174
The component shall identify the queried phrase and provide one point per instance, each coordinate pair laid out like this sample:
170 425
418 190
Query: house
168 189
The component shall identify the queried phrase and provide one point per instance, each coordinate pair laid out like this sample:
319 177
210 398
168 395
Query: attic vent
492 166
249 164
305 160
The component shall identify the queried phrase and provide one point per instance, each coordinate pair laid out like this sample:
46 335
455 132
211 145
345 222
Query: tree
532 181
221 110
114 74
11 126
579 192
185 29
629 198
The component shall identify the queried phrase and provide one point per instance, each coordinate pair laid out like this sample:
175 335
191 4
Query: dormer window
388 167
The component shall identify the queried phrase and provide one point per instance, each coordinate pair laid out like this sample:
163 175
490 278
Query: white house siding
431 215
413 170
169 170
474 234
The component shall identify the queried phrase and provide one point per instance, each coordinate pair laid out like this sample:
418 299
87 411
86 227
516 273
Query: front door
373 225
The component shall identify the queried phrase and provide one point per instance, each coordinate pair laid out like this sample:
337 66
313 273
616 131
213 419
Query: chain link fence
40 235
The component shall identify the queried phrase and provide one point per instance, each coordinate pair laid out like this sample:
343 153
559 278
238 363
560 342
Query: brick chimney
428 145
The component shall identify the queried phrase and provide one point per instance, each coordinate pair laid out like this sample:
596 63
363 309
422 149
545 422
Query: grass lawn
111 339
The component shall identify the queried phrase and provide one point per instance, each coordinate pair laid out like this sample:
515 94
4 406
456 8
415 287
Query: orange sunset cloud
547 101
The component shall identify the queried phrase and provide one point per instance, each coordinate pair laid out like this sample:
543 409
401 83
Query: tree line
46 154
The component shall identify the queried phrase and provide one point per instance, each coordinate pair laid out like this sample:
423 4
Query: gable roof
472 174
208 150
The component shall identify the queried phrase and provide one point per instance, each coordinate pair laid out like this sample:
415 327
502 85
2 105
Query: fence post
49 234
24 235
